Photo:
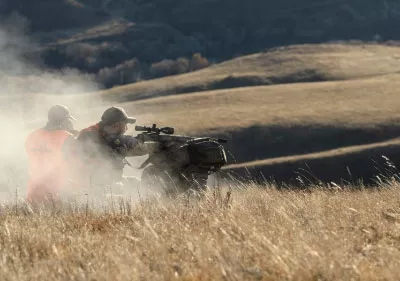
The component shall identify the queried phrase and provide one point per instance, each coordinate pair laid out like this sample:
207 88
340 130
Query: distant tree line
111 65
133 70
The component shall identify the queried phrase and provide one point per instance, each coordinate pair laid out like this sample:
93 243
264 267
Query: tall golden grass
247 233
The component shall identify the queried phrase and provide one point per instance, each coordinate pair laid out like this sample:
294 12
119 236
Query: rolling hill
291 64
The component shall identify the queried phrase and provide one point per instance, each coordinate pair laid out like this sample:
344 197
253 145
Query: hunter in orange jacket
47 150
104 146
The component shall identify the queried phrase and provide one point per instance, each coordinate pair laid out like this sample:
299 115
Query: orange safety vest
48 170
95 128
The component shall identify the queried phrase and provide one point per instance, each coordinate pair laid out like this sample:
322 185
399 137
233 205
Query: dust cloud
27 91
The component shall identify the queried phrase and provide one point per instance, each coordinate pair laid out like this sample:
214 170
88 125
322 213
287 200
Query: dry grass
259 234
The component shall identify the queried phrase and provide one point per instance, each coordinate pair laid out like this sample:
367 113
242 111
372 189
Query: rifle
154 133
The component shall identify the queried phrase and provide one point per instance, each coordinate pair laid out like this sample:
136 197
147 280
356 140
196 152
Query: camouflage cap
59 112
116 114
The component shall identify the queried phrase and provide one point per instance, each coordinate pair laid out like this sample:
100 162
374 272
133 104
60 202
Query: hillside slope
364 102
300 63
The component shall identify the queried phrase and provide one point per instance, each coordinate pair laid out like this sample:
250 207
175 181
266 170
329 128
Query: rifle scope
154 129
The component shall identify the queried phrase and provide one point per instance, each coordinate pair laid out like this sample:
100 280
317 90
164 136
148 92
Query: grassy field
244 231
249 234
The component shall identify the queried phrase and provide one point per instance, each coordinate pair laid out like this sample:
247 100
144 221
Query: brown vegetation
253 234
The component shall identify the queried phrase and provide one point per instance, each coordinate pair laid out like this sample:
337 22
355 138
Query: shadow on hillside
370 167
230 82
261 142
233 81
